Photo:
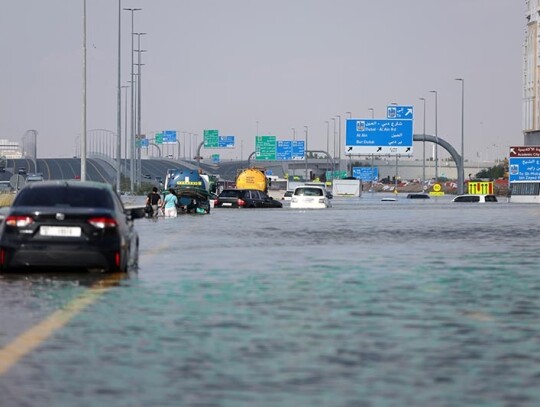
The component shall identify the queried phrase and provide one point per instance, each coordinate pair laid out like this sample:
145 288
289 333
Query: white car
287 195
310 197
475 198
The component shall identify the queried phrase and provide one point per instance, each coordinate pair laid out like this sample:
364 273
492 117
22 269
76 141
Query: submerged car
69 225
475 198
287 195
310 197
418 196
245 198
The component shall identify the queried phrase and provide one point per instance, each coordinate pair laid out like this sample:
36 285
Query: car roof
310 186
69 183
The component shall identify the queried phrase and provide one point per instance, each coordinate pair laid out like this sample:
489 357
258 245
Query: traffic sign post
400 112
211 138
524 169
298 150
374 136
169 136
265 147
226 142
366 174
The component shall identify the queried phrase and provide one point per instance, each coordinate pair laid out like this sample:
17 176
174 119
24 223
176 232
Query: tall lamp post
334 148
462 126
339 142
436 139
125 87
83 138
424 145
306 150
119 104
132 132
327 143
139 82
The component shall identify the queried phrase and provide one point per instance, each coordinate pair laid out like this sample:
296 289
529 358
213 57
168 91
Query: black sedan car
245 198
69 225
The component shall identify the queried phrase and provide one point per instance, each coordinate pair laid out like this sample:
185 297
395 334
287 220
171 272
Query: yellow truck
252 178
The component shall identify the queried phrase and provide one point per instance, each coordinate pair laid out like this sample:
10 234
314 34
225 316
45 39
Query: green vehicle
195 191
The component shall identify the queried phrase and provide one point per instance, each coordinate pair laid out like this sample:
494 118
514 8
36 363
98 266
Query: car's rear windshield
61 196
231 193
309 191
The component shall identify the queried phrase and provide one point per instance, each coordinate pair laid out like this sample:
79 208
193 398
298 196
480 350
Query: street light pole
327 142
132 132
424 145
462 124
334 149
83 138
339 142
436 139
125 127
139 51
372 112
306 150
119 104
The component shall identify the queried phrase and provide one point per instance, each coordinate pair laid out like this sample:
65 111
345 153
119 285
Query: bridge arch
448 147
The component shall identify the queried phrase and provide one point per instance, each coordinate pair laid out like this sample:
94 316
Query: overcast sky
226 65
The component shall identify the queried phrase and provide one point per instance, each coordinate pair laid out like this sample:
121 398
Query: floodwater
368 303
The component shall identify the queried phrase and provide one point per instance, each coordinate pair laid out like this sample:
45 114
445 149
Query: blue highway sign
400 112
284 150
287 150
374 136
366 174
524 169
225 141
298 150
169 136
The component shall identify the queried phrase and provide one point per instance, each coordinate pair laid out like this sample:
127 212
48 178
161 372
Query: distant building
531 74
10 149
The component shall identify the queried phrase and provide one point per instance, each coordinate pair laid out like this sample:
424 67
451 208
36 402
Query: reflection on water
368 303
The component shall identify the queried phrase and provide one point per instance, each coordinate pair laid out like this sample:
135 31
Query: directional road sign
525 151
284 150
169 136
287 150
399 112
226 142
374 136
524 169
298 150
265 147
211 138
159 138
366 174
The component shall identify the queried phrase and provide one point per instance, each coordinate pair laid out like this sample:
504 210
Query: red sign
525 151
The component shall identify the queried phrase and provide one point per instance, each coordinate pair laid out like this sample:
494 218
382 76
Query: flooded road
368 303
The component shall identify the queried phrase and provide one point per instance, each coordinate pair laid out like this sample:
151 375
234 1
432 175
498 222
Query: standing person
154 200
169 204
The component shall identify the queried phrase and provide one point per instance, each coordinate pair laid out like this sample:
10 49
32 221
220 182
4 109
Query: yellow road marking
29 340
33 337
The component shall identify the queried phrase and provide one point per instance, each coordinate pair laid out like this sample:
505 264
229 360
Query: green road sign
211 138
265 147
159 138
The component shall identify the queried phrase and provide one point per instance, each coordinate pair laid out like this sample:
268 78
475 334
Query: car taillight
103 222
241 202
216 202
19 221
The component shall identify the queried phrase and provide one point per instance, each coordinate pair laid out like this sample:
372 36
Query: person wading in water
154 200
